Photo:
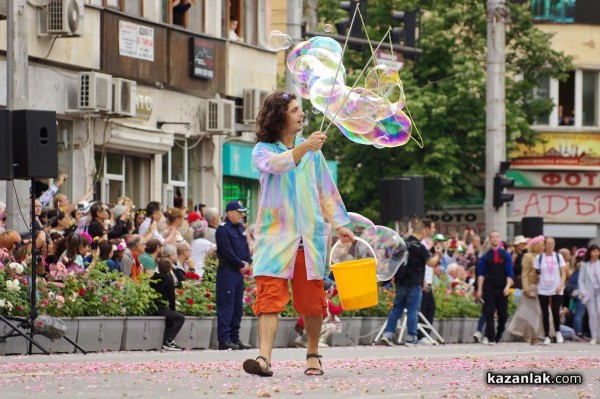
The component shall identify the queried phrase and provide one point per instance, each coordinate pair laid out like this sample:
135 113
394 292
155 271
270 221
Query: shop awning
133 138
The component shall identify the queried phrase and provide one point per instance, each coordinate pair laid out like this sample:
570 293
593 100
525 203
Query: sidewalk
449 371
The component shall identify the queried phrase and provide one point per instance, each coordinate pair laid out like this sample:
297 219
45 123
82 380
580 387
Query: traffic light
407 34
343 24
500 183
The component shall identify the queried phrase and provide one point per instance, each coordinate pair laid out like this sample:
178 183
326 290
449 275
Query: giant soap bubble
390 251
278 40
369 115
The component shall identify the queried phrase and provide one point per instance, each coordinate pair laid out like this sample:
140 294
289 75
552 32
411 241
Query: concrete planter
19 345
97 334
196 333
59 345
456 329
351 331
143 333
369 328
286 334
13 345
245 333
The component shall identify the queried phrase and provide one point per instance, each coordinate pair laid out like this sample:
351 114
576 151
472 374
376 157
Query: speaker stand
27 322
420 326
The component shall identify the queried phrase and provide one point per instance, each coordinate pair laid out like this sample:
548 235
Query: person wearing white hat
520 244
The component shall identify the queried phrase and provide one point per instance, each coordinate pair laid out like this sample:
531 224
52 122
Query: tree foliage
446 96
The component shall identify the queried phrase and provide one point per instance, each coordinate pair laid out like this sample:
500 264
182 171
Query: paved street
450 371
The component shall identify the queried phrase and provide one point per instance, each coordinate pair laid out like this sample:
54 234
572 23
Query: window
577 100
196 17
178 12
234 13
542 92
174 168
566 100
133 7
589 108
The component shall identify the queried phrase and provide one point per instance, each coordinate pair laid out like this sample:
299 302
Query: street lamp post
495 142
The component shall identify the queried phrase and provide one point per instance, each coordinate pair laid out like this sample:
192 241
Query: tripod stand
26 323
423 323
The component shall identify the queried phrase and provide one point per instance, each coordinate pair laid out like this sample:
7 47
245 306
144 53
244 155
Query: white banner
556 206
136 41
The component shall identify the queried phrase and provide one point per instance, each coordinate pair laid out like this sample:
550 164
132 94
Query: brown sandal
318 370
252 366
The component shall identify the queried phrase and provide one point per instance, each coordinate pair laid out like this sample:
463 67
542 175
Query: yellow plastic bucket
356 281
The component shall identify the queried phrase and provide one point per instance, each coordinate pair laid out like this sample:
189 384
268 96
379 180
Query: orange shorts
308 296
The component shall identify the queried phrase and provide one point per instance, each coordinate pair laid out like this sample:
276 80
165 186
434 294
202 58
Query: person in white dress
551 267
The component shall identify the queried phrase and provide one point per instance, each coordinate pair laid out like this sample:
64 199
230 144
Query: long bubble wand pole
357 79
340 64
353 86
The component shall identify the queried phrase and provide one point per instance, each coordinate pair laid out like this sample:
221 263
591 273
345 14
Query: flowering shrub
14 286
197 296
95 292
454 302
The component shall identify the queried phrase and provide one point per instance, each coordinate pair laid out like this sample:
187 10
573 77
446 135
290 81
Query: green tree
446 97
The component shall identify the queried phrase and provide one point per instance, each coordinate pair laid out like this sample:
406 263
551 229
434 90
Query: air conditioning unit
95 92
124 93
62 17
253 99
220 116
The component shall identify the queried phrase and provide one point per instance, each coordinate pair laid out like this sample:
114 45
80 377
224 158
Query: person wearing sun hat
527 320
520 243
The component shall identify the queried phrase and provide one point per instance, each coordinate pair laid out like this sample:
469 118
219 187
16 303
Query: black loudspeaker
532 226
35 152
6 158
401 198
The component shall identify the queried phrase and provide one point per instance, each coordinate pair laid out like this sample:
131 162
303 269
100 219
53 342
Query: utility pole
495 123
17 196
294 30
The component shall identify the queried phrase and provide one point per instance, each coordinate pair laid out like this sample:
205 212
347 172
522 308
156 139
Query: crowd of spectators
164 244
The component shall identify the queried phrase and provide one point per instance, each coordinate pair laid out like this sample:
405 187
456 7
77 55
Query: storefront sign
548 179
556 206
578 151
136 41
143 106
459 220
237 161
202 58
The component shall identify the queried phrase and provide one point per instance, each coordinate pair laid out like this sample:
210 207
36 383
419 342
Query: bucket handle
357 239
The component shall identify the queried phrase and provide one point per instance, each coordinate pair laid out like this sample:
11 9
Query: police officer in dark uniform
234 260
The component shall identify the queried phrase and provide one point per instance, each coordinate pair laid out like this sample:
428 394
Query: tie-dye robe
296 202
